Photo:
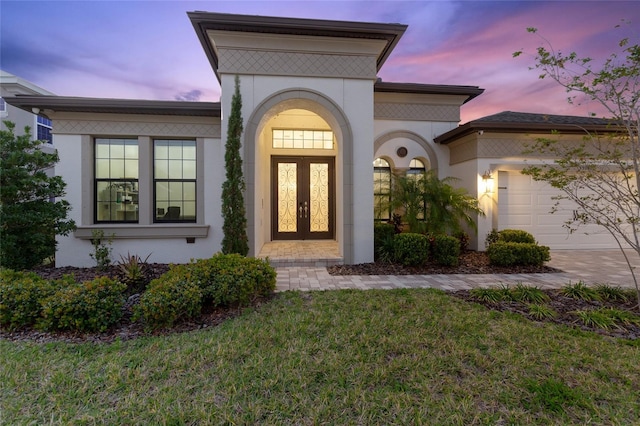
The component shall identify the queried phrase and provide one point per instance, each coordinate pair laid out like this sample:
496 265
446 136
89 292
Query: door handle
306 210
300 210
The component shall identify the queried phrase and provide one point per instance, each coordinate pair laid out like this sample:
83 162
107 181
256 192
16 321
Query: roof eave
439 89
117 106
472 127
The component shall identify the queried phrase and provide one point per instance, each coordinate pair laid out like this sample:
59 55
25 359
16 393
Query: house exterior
10 86
318 126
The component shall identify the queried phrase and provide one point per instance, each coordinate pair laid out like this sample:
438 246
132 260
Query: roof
206 21
115 106
509 121
438 89
12 85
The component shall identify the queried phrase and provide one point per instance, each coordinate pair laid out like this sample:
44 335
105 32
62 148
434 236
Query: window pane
161 150
189 189
175 190
302 139
162 191
189 170
175 169
189 151
189 208
116 151
161 169
102 168
131 169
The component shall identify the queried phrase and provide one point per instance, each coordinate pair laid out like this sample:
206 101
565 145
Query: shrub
445 250
89 306
20 296
463 238
227 279
528 294
607 292
541 312
411 249
382 236
515 236
508 254
492 237
169 299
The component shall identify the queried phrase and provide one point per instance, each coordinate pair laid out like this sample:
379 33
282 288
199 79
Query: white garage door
524 203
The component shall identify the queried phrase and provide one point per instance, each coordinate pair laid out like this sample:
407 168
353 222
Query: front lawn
339 357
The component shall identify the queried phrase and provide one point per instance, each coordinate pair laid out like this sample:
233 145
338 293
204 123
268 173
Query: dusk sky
149 49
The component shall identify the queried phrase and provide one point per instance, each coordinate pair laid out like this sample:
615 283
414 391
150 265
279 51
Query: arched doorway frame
328 110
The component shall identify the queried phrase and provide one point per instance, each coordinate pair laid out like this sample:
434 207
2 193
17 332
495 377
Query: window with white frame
416 171
174 180
381 190
116 180
3 105
44 127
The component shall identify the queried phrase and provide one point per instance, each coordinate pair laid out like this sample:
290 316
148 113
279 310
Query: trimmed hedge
515 236
411 249
509 253
21 294
445 250
89 306
168 299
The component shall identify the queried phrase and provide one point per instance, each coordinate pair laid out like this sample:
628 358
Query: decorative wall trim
135 128
416 112
236 61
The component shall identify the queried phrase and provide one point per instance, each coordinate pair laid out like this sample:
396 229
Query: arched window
416 169
416 172
381 190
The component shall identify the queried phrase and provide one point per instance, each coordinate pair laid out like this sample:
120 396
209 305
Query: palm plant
434 206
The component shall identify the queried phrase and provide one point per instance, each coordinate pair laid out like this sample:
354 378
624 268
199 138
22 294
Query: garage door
524 203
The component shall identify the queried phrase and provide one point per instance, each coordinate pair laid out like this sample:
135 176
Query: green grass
339 357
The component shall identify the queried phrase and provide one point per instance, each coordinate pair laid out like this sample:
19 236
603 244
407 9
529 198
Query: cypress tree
234 227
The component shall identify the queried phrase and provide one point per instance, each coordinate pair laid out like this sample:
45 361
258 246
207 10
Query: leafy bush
383 241
411 249
464 239
515 236
227 279
491 295
89 306
508 254
20 296
169 299
607 292
445 250
492 237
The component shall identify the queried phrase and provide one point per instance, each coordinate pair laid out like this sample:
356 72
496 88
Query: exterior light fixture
487 178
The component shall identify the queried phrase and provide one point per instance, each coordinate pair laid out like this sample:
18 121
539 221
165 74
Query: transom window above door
302 139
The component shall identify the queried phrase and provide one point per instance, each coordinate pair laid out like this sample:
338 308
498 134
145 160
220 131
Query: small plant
528 294
512 253
621 316
89 306
541 312
492 237
516 236
464 239
595 318
579 291
411 249
134 272
168 299
491 295
445 250
607 292
101 249
383 241
21 294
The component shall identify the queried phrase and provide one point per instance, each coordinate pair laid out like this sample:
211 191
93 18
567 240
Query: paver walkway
590 266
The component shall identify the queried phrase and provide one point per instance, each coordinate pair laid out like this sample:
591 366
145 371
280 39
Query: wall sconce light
487 178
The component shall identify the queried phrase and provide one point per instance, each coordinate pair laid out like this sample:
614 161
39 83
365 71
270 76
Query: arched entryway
302 135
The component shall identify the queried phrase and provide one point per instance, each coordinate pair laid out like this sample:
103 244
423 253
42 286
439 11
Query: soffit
206 22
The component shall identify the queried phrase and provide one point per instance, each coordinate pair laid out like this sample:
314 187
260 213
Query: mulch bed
470 263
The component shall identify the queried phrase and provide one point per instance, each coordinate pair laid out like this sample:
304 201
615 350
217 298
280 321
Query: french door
302 198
